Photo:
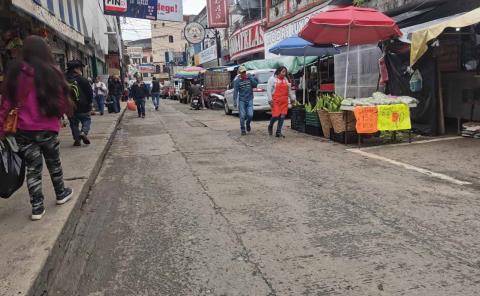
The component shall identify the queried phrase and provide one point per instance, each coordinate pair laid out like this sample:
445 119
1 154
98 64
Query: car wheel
227 109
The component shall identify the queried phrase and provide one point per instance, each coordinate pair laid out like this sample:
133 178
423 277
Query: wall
161 30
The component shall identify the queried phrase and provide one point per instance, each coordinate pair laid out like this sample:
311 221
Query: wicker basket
342 121
325 123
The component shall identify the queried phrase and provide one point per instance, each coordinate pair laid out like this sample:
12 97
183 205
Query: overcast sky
134 29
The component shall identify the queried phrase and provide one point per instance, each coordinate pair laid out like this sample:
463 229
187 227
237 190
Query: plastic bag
416 82
12 168
131 105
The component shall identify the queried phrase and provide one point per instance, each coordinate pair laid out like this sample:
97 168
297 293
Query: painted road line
415 143
411 167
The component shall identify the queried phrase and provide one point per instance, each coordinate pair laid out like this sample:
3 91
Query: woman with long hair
37 88
279 92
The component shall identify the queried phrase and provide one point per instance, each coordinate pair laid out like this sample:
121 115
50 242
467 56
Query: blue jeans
246 113
156 99
80 118
100 103
140 106
117 104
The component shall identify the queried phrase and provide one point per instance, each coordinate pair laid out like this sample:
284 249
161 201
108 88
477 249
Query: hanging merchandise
383 70
416 82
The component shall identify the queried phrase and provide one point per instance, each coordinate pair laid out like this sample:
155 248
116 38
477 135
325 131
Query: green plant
309 108
359 3
331 103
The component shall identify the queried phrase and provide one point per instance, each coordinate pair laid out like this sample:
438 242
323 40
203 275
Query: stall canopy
293 64
297 46
421 38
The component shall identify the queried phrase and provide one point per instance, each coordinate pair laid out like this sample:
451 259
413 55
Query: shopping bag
12 168
131 105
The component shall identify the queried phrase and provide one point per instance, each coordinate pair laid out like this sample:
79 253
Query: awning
421 37
408 31
293 64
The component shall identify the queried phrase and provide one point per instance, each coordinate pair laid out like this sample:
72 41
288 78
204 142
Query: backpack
74 91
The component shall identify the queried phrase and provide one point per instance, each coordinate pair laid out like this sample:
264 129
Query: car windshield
263 77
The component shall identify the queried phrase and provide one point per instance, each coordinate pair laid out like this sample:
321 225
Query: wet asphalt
186 206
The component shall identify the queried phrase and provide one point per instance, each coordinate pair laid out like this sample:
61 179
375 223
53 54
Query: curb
40 284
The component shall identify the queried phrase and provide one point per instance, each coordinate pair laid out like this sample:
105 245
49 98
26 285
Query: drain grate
196 124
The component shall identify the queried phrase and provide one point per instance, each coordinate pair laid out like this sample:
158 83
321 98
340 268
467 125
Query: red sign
247 40
113 61
217 13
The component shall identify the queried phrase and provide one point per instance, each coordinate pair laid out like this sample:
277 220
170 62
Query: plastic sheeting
424 117
362 71
293 64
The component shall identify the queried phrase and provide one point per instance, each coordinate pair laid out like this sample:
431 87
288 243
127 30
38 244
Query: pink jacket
30 118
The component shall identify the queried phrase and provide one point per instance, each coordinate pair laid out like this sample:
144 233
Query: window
78 16
62 10
70 14
170 39
163 24
154 26
151 59
144 60
50 6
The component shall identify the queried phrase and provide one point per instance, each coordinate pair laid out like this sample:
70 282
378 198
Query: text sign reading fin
116 5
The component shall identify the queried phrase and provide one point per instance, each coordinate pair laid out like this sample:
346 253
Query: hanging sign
194 32
246 41
208 54
366 120
170 10
394 117
217 11
142 9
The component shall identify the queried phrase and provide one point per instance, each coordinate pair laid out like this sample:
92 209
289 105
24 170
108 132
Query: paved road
185 206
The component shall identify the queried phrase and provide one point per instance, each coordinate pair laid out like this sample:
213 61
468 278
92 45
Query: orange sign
367 119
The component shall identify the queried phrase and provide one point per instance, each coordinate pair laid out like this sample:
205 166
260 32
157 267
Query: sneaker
279 135
67 194
249 128
85 139
38 213
244 133
270 130
156 108
77 143
143 115
101 113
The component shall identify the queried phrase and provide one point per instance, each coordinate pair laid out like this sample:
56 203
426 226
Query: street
184 205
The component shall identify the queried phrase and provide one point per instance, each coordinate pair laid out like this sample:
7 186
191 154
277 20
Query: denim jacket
243 89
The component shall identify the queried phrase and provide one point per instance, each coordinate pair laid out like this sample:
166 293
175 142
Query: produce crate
298 119
313 130
325 123
311 119
352 137
342 121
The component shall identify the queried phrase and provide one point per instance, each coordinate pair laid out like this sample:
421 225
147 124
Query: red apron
280 98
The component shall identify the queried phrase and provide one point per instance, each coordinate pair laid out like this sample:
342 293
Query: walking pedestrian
37 89
279 92
155 93
243 86
139 92
81 94
100 91
115 90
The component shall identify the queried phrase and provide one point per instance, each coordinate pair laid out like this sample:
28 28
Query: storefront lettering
245 39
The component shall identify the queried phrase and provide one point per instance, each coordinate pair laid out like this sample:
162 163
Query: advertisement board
217 11
146 68
135 52
247 40
170 10
142 9
208 54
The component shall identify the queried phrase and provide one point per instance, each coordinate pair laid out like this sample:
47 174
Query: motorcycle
196 103
216 102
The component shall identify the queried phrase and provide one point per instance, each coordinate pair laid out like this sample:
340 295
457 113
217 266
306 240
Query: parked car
260 99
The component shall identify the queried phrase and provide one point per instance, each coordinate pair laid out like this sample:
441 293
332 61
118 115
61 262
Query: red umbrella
352 25
349 25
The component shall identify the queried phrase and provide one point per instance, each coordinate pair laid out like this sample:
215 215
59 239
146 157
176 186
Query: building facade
168 40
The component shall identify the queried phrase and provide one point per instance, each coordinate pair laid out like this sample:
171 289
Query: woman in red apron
279 93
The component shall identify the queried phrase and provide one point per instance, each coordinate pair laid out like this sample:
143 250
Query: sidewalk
28 249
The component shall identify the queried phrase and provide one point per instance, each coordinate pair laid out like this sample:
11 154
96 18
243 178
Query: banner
146 68
135 52
394 117
217 11
170 10
246 41
142 9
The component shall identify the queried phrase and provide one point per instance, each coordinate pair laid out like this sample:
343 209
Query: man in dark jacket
155 92
139 91
115 90
81 94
